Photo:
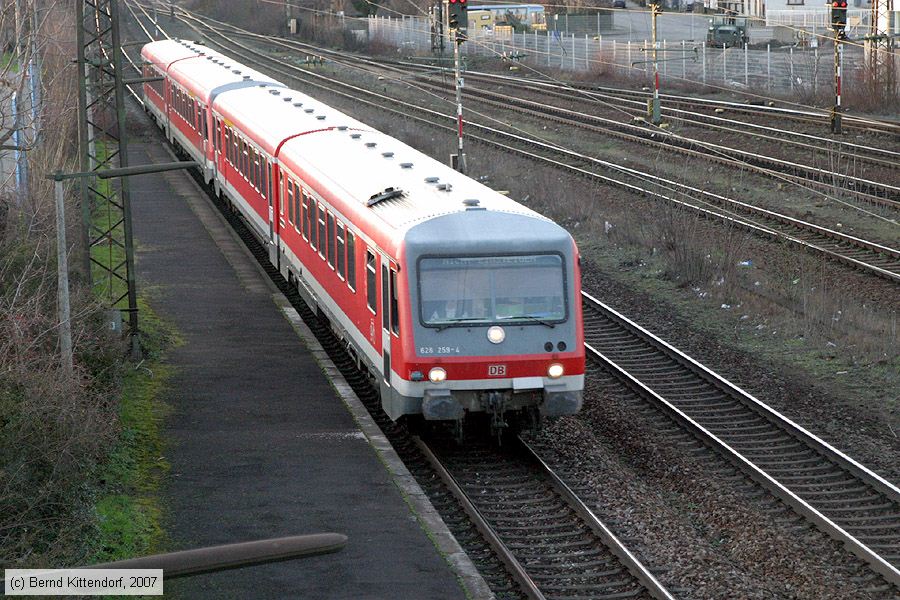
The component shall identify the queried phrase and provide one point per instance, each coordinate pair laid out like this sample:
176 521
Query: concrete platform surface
260 444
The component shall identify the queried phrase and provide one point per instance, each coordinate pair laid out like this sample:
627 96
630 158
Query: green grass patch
107 227
128 511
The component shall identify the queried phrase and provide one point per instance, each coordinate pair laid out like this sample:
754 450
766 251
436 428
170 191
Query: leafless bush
57 426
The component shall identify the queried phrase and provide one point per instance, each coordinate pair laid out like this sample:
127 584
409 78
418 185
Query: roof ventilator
320 117
432 179
308 110
236 71
445 187
406 165
298 104
473 204
275 92
355 136
371 144
287 99
342 128
387 154
387 194
246 78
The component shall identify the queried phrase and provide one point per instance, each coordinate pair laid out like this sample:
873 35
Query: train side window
395 305
253 164
215 136
371 291
312 223
385 313
340 249
245 160
321 235
305 217
351 260
290 201
330 239
262 175
235 150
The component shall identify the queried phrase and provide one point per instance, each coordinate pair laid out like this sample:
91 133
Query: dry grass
56 426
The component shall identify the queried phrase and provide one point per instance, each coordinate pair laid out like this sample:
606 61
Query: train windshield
461 291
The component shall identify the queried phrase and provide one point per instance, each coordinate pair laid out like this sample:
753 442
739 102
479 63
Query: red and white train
454 297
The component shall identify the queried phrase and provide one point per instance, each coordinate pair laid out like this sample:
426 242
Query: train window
235 150
341 260
263 175
253 167
321 236
371 292
245 159
351 260
290 200
385 313
305 217
330 240
395 305
312 223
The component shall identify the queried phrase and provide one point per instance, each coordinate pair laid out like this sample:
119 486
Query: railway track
827 181
841 497
849 152
545 534
868 256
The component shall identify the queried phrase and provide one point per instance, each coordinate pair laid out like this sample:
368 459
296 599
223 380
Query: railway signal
655 114
839 16
457 23
457 17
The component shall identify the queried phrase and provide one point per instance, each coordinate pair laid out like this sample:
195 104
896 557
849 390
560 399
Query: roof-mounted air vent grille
406 165
432 179
355 136
387 154
309 110
387 194
236 71
371 144
298 104
320 117
473 204
342 128
287 98
275 92
246 78
445 187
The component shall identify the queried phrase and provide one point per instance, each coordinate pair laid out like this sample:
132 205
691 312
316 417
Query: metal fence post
587 52
703 60
746 66
791 58
548 47
769 66
573 51
724 63
816 71
683 61
665 62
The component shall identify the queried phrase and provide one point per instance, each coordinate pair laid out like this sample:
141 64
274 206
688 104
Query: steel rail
631 562
782 423
516 570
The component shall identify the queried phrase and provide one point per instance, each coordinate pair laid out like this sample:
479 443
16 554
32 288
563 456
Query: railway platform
261 444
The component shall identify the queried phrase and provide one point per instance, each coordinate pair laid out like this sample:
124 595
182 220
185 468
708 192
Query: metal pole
134 332
460 157
746 65
791 59
724 63
838 59
62 270
654 107
703 56
769 66
155 21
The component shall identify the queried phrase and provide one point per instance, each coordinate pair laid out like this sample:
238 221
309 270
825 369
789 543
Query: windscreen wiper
535 318
448 322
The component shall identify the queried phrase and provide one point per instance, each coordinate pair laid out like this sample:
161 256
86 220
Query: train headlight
496 334
437 375
555 371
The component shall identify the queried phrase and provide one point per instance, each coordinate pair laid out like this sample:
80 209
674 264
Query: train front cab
495 314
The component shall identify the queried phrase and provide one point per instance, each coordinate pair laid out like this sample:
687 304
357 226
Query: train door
217 147
386 319
273 241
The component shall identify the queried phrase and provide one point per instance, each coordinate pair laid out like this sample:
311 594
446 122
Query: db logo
496 370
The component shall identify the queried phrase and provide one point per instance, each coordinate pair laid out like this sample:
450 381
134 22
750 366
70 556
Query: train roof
203 71
376 178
